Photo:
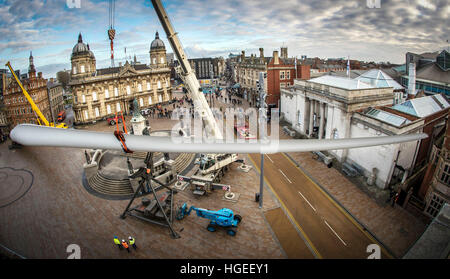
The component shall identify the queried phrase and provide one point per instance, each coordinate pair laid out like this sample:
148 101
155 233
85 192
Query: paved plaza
44 208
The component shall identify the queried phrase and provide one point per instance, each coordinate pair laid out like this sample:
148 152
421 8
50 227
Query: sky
367 30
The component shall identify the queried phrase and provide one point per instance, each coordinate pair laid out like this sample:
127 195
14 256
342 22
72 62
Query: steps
115 188
111 187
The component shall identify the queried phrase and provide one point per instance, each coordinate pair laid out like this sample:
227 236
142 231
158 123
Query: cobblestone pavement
57 211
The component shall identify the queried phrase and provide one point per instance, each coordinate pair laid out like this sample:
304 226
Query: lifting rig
41 118
158 211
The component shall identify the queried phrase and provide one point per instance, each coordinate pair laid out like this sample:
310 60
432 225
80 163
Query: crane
41 119
212 166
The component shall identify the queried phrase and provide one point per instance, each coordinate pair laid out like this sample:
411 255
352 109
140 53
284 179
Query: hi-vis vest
132 241
116 241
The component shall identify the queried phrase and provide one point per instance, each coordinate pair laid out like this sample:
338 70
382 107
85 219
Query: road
328 230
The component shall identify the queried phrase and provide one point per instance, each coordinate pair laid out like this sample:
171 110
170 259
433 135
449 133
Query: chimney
412 78
40 75
284 52
52 80
243 56
276 60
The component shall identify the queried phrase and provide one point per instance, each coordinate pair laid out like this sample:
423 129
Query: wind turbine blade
34 135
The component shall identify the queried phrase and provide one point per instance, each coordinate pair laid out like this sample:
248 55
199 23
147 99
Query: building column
322 120
311 117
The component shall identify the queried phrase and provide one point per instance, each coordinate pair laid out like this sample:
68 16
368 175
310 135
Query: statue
136 109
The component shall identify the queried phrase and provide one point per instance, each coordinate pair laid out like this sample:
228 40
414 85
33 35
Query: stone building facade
100 93
55 97
18 108
332 107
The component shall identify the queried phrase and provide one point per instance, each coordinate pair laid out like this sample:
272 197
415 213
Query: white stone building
331 107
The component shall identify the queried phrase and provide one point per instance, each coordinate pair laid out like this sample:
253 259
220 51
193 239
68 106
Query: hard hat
129 237
123 240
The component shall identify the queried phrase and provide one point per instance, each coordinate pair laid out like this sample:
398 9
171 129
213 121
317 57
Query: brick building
280 72
18 108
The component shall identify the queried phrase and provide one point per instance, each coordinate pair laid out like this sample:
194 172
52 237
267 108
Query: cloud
323 28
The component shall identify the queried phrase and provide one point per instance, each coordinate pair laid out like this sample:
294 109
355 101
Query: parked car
113 120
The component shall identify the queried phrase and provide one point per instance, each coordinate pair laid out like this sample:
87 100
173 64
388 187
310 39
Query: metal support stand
147 176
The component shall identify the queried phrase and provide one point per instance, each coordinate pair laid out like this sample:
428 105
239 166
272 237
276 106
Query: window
154 60
108 109
74 70
160 98
159 84
139 87
94 96
128 90
150 100
82 68
117 107
288 74
444 174
116 92
167 83
86 115
106 93
281 75
83 97
162 60
435 205
148 85
97 112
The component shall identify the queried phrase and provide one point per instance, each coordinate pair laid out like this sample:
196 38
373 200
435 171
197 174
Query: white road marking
269 158
285 176
307 201
335 232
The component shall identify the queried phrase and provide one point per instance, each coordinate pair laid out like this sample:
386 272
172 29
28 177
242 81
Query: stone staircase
121 189
110 187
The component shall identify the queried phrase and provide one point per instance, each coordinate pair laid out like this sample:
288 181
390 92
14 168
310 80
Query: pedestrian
132 242
117 242
125 245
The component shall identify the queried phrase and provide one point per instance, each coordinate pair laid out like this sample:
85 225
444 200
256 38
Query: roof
157 43
379 79
434 242
341 82
424 106
434 73
387 117
115 70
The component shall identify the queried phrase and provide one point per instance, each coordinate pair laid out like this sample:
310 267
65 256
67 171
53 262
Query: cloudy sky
322 28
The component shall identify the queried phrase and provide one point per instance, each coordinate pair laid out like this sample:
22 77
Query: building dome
81 48
157 43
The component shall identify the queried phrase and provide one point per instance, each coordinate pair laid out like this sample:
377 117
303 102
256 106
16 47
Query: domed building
83 59
158 53
100 93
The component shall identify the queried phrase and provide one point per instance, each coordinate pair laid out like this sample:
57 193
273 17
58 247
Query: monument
138 121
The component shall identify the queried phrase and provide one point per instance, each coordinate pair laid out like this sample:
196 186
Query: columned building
100 93
331 107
